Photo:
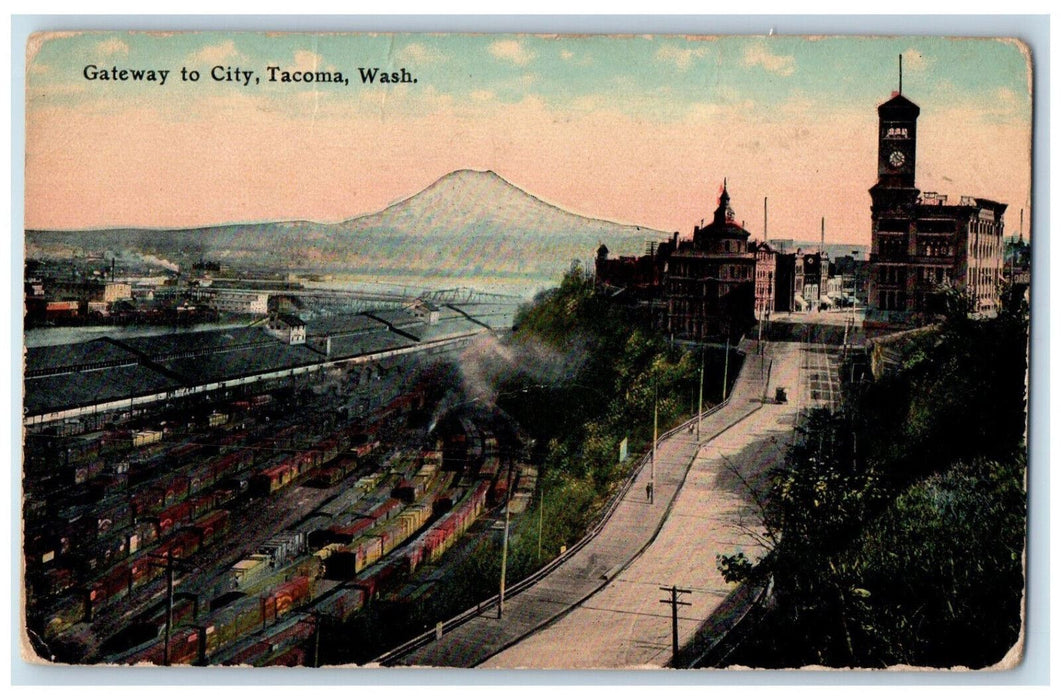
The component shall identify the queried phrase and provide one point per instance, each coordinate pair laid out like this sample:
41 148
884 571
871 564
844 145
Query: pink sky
236 157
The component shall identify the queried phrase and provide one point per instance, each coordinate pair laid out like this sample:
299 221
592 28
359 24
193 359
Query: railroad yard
252 525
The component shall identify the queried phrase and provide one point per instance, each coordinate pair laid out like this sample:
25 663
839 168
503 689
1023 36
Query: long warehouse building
79 380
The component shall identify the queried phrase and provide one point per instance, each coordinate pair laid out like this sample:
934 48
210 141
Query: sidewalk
624 625
631 528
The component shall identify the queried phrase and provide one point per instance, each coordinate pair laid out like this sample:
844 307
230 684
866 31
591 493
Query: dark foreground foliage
899 524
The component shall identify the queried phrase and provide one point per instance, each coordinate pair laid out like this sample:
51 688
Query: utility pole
171 565
759 341
541 513
169 605
316 639
725 371
674 603
700 402
504 543
766 239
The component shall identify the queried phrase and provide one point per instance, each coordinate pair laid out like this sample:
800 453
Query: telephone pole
504 542
674 603
700 402
172 563
725 371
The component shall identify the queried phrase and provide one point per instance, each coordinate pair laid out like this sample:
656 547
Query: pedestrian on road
648 491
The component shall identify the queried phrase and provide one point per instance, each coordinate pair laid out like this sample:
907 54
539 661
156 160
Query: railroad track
394 655
819 374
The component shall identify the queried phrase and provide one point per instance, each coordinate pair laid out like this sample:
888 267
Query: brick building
921 244
709 286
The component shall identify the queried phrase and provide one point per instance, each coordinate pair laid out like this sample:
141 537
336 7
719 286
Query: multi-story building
921 245
765 276
853 271
90 290
709 286
237 301
787 266
815 275
287 327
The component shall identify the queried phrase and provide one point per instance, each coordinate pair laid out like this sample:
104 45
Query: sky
634 129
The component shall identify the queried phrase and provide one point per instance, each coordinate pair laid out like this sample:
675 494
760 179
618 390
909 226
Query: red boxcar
184 649
285 598
211 527
173 517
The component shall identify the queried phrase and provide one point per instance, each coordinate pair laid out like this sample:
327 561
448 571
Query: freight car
342 603
375 579
226 627
277 477
150 625
333 473
279 645
149 565
211 527
184 645
448 529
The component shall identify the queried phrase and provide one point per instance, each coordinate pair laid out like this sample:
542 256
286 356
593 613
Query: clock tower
897 143
920 245
894 193
894 208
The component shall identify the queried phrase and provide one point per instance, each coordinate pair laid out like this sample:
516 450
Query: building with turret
709 286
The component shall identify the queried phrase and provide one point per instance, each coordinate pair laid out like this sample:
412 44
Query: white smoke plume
488 362
160 262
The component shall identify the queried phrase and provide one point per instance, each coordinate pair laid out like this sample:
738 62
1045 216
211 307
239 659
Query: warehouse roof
202 342
344 323
221 365
75 356
54 392
97 371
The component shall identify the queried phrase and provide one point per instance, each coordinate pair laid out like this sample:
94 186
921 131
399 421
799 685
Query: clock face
897 159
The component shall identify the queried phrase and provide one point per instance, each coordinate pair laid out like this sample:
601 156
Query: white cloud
219 53
682 58
112 47
420 54
759 55
512 50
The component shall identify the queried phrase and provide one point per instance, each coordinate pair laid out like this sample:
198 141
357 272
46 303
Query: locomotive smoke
487 363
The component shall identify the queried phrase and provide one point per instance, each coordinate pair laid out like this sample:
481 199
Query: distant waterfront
410 284
374 282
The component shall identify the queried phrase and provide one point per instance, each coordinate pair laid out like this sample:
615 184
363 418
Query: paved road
630 529
625 625
819 380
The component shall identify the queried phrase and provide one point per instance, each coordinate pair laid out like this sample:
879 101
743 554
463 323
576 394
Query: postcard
524 351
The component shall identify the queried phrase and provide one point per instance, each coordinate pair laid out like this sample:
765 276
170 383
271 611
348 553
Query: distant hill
466 223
